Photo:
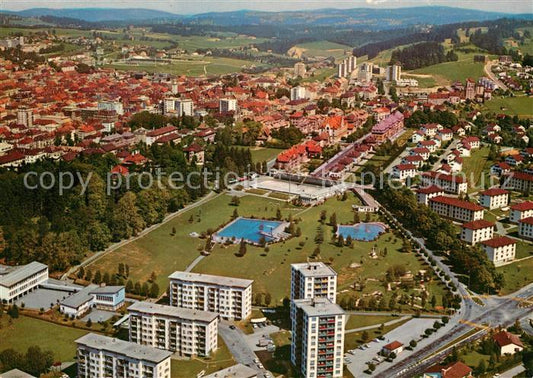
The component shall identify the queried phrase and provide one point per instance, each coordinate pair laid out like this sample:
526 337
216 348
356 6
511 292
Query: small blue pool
251 230
362 231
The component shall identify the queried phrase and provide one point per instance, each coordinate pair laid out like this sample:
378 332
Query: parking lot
357 360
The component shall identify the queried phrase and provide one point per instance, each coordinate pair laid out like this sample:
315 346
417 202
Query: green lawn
516 275
521 106
260 154
160 252
358 321
271 270
220 359
475 165
523 249
189 66
324 48
25 332
423 81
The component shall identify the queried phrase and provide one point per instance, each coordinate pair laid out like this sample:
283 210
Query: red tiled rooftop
504 338
523 206
478 224
494 192
499 242
457 203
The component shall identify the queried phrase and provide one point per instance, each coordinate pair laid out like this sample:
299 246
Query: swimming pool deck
275 235
354 226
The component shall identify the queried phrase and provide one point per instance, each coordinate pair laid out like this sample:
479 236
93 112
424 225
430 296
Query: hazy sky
200 6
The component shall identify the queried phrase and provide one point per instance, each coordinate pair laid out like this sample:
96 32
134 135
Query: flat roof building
313 280
17 281
102 356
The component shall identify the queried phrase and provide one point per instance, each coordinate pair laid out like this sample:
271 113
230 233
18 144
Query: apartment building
519 181
494 198
230 297
456 209
404 171
477 231
313 280
521 211
525 228
450 183
500 250
16 281
317 344
424 194
187 332
227 105
101 356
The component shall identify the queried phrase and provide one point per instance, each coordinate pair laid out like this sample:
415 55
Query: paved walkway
513 372
194 263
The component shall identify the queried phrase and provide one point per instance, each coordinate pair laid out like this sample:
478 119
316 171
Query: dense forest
422 55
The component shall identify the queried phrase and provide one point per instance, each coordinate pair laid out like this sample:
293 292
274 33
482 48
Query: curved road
492 76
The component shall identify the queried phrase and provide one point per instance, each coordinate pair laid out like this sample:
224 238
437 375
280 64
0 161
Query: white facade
25 117
494 199
178 106
300 69
115 106
455 209
227 105
521 211
500 250
313 280
476 232
20 280
394 73
525 228
102 356
317 345
187 332
404 171
298 93
227 296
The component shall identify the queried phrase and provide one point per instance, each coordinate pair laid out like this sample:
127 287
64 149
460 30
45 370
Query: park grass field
474 167
324 48
521 106
163 254
190 67
516 275
25 332
271 270
353 340
220 359
358 321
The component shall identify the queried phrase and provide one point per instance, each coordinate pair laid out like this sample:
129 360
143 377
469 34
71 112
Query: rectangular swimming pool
250 230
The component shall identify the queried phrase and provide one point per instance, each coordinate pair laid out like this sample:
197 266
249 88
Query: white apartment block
298 93
521 211
313 280
317 345
525 228
17 281
102 356
494 198
394 73
230 297
111 106
178 106
424 194
456 209
227 105
450 183
500 250
477 231
187 332
404 171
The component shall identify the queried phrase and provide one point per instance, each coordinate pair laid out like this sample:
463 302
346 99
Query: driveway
259 334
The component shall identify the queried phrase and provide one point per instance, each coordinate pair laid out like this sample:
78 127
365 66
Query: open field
324 48
25 332
474 166
162 253
358 321
220 359
191 67
271 270
516 275
260 154
5 32
521 106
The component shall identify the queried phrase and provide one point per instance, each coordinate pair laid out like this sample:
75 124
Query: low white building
404 171
456 209
101 356
500 250
508 343
16 281
424 194
108 298
477 231
525 228
494 198
395 347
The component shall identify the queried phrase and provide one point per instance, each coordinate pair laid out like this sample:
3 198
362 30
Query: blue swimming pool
250 230
362 231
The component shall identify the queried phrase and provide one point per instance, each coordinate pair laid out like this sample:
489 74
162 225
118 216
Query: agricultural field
520 105
323 49
191 66
24 332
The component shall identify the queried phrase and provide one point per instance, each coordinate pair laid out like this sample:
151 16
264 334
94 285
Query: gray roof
80 298
15 373
236 371
125 348
212 280
20 273
107 290
176 312
314 269
319 307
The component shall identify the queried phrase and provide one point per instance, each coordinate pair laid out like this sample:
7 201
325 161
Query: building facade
230 297
500 250
456 209
187 332
317 345
313 280
101 356
477 231
17 281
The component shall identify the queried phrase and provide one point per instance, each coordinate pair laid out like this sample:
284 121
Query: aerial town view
260 189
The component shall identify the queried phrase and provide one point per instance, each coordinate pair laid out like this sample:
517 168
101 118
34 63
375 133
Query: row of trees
35 361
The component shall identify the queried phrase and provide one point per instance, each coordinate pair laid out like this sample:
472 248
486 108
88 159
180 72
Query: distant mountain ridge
355 18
